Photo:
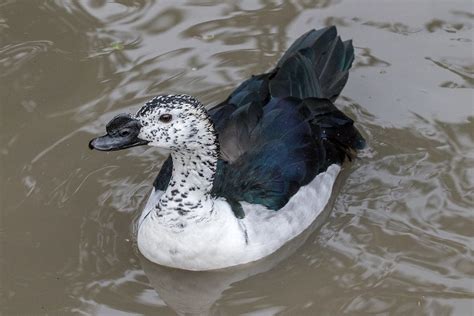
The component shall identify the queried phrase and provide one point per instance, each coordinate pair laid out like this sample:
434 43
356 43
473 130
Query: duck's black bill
122 132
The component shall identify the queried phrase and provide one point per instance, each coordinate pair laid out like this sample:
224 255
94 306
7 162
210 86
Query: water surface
397 238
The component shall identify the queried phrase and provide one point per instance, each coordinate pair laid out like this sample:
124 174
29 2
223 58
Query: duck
251 173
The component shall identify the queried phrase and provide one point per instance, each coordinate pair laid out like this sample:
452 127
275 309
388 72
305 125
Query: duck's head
174 122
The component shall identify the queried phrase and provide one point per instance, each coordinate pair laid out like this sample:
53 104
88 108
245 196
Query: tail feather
316 65
333 127
311 39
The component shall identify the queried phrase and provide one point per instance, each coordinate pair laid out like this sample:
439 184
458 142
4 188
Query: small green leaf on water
117 46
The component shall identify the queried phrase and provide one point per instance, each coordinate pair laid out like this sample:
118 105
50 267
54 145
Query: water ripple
399 238
14 56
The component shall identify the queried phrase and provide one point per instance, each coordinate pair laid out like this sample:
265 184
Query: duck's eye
124 133
165 118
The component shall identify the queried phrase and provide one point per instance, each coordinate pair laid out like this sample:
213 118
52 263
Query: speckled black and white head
176 122
179 123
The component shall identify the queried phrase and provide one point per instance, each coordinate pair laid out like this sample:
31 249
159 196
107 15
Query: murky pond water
398 238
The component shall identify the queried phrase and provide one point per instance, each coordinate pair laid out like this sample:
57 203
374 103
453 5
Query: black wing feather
278 130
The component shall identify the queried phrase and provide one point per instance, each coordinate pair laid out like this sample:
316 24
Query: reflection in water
398 28
464 68
366 59
437 24
399 238
161 22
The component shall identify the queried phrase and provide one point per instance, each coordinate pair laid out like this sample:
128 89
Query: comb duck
248 175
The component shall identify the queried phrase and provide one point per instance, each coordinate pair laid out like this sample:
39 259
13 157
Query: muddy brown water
397 239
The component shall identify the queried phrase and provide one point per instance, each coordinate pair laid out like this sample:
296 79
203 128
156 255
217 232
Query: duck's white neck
188 195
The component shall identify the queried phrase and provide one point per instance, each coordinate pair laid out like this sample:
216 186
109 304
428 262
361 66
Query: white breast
222 240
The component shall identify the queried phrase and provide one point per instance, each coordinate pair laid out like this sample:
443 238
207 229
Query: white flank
221 240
